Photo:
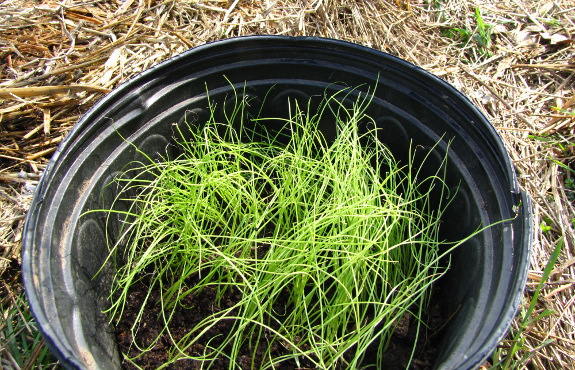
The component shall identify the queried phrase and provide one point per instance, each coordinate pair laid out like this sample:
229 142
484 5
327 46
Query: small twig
71 35
48 90
269 9
15 179
560 282
117 42
513 129
558 290
543 335
11 358
56 72
13 158
179 36
551 67
532 18
71 13
16 218
40 154
230 10
33 131
136 18
13 200
36 352
199 5
224 19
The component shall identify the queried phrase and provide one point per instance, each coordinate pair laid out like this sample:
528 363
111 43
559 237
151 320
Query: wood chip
47 121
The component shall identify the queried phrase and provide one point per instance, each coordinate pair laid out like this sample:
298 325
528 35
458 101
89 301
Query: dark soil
396 357
400 348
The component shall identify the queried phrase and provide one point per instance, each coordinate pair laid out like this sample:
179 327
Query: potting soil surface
203 304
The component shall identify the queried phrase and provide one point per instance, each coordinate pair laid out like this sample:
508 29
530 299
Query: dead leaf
525 37
503 66
555 38
483 97
499 28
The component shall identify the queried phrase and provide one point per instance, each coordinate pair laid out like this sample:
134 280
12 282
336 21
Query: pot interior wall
410 109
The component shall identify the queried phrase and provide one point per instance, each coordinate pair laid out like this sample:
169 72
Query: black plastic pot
62 251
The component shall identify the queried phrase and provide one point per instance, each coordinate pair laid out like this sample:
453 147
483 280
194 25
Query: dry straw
514 59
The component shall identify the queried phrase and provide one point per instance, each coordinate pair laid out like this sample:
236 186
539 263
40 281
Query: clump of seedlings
324 244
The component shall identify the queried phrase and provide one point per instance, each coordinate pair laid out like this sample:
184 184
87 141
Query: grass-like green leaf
326 243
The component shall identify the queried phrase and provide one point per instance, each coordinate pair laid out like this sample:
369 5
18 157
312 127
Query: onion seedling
325 244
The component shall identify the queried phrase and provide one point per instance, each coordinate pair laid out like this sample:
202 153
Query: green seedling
546 224
483 33
326 244
545 227
480 37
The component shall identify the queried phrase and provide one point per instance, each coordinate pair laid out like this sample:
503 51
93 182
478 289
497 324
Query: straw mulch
515 59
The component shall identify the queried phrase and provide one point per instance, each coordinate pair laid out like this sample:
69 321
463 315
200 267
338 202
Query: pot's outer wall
63 248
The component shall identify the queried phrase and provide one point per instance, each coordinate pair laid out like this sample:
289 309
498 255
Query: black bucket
62 251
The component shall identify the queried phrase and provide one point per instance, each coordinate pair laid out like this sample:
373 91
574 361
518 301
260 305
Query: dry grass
59 58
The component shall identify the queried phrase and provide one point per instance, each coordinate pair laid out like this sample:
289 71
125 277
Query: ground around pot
514 59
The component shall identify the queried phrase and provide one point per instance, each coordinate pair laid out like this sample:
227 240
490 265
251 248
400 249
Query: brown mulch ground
515 59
